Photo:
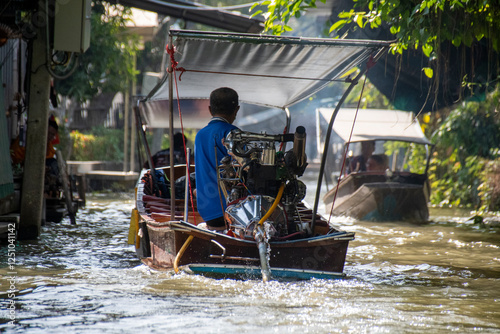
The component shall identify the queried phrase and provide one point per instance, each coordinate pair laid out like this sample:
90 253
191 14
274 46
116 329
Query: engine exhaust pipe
299 146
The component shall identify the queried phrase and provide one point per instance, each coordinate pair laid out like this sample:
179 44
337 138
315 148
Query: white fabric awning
376 124
265 70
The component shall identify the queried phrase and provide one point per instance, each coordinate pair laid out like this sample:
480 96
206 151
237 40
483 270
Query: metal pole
171 133
132 126
126 116
146 147
354 82
287 125
186 188
327 146
133 135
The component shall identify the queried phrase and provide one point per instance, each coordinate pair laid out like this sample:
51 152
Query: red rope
170 51
285 130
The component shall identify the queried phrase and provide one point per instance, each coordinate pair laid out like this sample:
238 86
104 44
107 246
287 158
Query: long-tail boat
398 189
270 231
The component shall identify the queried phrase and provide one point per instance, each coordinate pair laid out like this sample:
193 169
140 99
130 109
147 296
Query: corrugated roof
229 21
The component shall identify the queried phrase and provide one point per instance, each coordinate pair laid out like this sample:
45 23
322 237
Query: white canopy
266 70
376 124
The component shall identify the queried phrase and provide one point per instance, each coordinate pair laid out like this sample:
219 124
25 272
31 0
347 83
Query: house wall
12 71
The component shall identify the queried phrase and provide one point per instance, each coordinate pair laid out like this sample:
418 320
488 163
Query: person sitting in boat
209 151
162 158
358 163
376 163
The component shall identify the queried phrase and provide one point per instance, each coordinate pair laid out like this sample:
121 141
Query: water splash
262 239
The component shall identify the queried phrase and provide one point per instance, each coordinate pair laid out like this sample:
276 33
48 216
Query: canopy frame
369 52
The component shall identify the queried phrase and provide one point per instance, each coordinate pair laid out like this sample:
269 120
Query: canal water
438 277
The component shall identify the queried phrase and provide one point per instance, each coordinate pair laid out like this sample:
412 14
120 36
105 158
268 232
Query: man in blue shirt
209 151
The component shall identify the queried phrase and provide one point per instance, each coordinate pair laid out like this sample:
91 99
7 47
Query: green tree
416 23
108 64
467 152
434 26
464 169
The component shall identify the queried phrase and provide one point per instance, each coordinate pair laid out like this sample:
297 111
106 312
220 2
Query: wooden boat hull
249 272
372 198
159 241
323 253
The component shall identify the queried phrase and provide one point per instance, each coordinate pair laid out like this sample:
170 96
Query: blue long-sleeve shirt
208 152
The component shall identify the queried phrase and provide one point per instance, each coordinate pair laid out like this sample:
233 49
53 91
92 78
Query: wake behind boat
270 231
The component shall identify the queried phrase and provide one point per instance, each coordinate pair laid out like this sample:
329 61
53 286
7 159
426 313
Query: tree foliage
108 64
467 154
415 23
465 166
102 144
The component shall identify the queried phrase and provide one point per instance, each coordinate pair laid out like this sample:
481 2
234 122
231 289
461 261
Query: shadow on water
443 276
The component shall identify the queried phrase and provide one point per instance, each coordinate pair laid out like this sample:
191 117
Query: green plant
108 64
103 144
413 156
462 171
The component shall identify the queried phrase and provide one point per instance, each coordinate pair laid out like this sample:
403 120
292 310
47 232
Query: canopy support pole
171 132
149 157
288 122
354 82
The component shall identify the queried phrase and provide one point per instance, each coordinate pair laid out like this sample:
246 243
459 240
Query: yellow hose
181 252
275 204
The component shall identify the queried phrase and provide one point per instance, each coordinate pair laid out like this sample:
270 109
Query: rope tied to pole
171 51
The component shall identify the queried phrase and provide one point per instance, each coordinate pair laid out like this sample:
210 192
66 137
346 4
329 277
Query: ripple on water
401 277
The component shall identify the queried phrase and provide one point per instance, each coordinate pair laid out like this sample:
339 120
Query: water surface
439 277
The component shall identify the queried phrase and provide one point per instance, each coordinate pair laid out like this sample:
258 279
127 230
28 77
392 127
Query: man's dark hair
378 159
223 101
178 142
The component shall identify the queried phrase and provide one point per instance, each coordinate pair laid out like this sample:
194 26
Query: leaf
468 39
346 15
337 25
456 41
256 13
359 20
351 71
427 49
429 72
395 29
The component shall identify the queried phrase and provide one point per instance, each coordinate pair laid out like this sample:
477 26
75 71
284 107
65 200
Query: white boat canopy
265 70
376 124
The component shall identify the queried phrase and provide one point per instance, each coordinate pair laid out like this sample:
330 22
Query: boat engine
261 181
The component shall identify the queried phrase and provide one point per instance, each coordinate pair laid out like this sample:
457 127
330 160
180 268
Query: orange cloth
18 152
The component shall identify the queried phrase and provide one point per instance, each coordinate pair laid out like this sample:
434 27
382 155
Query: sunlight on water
439 277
